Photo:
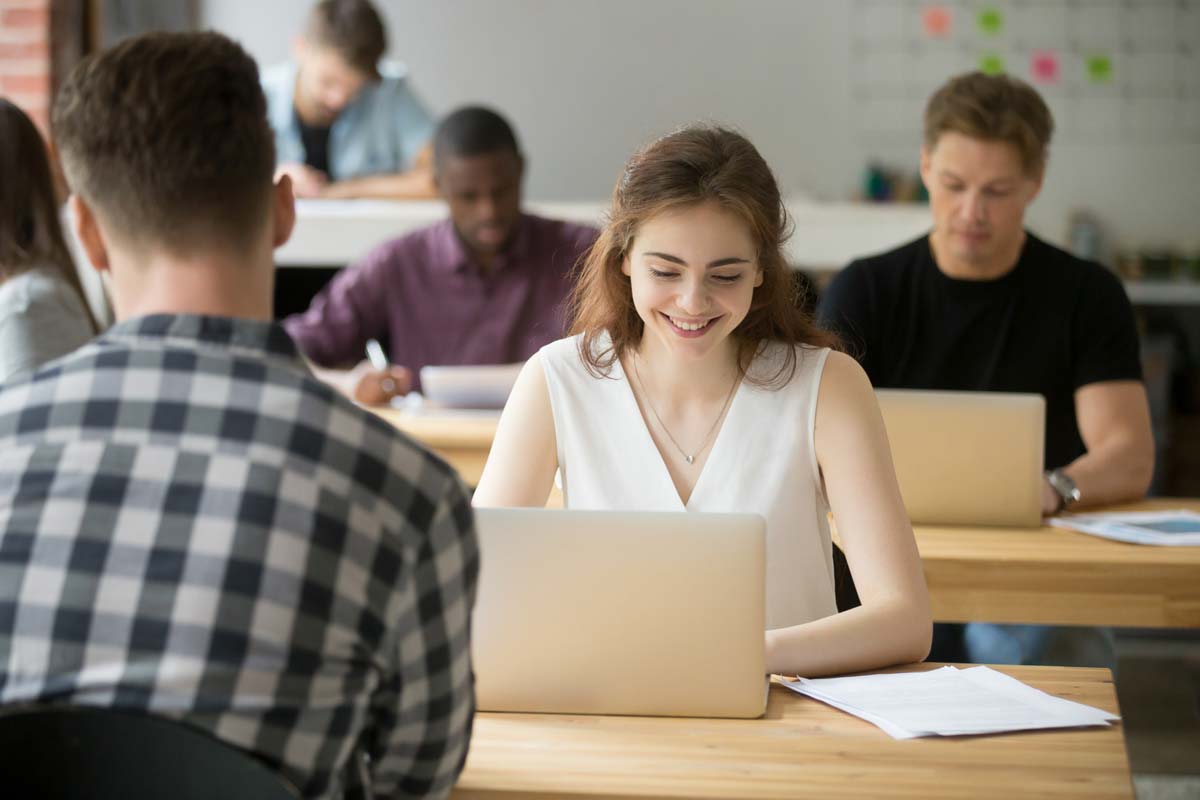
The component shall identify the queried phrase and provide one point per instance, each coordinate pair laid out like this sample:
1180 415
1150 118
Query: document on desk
949 702
1179 528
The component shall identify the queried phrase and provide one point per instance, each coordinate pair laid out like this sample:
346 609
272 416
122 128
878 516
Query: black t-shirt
316 145
1053 324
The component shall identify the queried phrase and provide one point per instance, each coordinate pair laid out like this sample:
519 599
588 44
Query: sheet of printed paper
949 702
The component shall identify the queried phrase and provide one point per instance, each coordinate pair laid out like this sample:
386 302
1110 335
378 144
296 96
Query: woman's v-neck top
762 461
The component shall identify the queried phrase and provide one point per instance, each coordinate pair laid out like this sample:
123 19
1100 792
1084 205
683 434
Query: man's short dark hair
351 28
473 131
166 136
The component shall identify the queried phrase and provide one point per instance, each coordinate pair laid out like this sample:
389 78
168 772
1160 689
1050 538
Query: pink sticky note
1043 65
936 21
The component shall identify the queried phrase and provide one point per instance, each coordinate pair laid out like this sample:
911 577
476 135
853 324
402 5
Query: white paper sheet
1177 528
949 702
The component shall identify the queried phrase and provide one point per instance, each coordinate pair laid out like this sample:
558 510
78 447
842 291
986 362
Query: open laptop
483 386
613 612
967 458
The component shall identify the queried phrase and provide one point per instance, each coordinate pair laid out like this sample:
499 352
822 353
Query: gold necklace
650 402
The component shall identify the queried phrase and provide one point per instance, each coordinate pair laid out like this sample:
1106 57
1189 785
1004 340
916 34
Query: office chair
73 752
844 591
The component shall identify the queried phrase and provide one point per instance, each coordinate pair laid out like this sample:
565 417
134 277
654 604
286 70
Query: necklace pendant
689 459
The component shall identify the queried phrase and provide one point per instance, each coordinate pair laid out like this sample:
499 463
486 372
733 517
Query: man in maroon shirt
486 286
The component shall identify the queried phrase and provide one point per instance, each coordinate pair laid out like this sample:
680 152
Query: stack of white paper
949 702
1146 527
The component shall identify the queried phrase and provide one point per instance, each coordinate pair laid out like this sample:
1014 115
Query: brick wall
25 58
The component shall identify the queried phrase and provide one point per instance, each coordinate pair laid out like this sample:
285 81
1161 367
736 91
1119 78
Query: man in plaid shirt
190 523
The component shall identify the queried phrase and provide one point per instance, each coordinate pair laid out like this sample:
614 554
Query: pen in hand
379 361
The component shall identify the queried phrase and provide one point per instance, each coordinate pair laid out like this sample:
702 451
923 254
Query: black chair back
64 752
844 591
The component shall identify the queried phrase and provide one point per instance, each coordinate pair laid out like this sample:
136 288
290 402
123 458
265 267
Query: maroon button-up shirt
435 306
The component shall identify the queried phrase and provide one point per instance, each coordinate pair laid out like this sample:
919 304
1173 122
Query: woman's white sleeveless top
762 461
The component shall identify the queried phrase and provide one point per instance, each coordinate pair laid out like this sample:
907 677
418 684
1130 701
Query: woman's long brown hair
31 234
694 165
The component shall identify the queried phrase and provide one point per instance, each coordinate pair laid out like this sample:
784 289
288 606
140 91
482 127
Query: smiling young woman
695 382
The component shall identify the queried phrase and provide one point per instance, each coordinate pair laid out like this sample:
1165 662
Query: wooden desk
1028 575
463 441
1053 576
801 748
827 235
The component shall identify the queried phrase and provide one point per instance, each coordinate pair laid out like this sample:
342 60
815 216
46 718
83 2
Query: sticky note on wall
935 21
1044 66
991 64
1099 68
990 21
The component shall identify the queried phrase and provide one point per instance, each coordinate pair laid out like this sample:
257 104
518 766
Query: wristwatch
1064 486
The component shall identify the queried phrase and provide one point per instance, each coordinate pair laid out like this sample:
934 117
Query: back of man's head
994 108
473 131
165 137
351 28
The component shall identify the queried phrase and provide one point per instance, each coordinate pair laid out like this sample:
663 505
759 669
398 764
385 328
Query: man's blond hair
994 108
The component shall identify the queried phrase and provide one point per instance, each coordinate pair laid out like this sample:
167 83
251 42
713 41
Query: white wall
586 82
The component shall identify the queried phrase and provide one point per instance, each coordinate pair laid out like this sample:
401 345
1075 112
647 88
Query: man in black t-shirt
980 304
1052 325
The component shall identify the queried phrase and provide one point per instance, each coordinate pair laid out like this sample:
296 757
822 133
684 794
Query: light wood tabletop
800 749
462 439
1059 577
1026 575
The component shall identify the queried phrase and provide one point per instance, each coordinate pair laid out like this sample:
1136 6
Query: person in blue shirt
347 125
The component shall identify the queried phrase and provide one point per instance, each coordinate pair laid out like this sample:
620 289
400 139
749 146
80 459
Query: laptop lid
967 458
469 386
609 612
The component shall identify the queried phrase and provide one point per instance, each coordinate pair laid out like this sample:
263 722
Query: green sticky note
991 64
991 21
1099 69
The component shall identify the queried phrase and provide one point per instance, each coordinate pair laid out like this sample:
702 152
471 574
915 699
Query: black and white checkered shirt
191 524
